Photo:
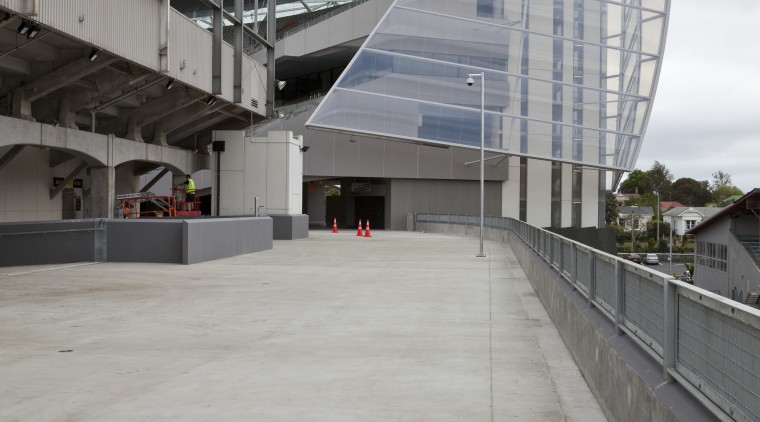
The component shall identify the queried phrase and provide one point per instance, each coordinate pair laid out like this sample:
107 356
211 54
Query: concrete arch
90 147
177 160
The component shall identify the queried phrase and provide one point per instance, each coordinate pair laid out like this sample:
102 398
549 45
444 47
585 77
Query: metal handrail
704 341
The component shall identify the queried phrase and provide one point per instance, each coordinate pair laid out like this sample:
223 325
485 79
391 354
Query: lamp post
471 81
658 218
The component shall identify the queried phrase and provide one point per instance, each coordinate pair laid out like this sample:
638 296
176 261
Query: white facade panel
590 198
510 190
189 52
539 193
128 29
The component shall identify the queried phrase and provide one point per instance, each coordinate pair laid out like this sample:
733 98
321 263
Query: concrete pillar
22 108
102 191
268 168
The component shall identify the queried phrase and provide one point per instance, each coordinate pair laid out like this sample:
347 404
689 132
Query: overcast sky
706 114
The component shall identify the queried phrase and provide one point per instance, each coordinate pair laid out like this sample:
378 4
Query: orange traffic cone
366 232
359 233
335 225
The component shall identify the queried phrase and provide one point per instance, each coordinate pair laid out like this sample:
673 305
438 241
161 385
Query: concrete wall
208 239
290 227
140 240
51 242
438 196
627 382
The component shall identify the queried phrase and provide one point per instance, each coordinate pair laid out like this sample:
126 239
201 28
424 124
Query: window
712 255
690 224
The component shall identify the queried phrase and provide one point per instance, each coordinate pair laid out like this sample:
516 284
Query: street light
470 82
658 219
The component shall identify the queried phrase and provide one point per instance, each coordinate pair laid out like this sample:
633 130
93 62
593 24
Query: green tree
610 209
691 192
636 182
660 179
722 187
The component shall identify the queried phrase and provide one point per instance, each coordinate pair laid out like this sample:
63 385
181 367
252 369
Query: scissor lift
185 208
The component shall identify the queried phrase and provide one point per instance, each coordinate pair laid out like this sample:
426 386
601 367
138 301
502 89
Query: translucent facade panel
567 81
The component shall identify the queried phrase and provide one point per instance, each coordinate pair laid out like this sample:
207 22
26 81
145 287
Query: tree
722 187
660 179
721 178
636 182
691 192
610 209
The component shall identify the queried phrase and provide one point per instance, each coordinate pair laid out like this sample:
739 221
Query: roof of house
635 210
703 211
750 201
670 204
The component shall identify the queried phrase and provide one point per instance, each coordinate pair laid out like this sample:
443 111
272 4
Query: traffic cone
335 225
359 233
366 232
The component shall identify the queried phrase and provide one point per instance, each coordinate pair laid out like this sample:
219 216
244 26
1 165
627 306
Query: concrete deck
400 326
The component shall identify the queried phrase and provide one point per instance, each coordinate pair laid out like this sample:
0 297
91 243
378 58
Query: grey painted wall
139 240
438 196
50 242
289 227
208 239
145 240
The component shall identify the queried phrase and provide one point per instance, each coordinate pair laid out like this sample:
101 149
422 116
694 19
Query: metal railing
706 342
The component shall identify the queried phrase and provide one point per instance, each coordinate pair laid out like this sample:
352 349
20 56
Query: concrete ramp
399 326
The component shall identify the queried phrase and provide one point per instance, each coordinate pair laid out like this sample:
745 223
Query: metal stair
753 298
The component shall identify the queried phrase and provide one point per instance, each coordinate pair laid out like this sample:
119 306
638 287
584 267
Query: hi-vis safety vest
190 186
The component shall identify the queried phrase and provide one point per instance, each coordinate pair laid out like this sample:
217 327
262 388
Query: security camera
470 81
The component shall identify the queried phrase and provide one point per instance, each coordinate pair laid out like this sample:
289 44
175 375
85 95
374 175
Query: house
727 251
682 219
621 198
637 217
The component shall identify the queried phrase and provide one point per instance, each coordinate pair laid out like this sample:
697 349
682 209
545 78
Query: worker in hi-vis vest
189 191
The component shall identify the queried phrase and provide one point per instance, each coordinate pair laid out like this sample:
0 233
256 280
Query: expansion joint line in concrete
490 327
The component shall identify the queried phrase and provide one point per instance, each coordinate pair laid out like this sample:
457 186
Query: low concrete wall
627 382
145 240
209 239
290 227
52 242
165 240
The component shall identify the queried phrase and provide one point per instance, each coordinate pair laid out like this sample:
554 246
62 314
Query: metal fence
707 343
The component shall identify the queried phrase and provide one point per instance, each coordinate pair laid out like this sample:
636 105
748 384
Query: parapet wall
176 241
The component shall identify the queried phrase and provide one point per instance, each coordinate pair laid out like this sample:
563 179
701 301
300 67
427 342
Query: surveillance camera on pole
470 81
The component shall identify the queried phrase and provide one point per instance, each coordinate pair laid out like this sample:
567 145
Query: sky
706 114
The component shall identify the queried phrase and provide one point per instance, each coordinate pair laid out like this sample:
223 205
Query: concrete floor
400 326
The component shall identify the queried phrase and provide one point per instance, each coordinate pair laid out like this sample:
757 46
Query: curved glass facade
565 80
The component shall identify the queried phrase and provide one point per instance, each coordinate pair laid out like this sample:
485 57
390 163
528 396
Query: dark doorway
370 208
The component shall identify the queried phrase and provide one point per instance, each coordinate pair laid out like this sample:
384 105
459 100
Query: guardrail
705 342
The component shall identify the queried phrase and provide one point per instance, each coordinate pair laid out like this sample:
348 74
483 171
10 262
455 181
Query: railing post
670 292
573 264
619 295
591 279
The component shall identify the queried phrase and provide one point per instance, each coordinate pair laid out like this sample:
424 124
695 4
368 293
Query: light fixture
33 31
304 148
280 84
170 84
280 114
24 27
94 54
211 100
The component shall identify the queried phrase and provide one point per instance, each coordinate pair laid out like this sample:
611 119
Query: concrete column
102 191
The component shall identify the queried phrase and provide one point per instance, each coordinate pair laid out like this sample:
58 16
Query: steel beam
271 36
237 78
216 52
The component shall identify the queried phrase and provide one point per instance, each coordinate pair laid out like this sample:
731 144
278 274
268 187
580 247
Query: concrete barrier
165 240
